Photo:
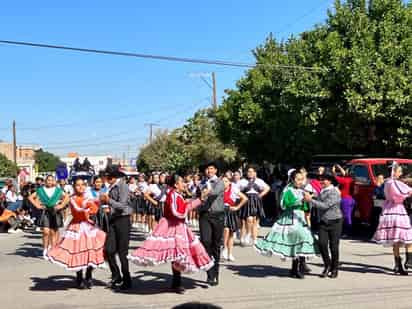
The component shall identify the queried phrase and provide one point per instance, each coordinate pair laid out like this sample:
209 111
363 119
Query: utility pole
14 143
151 125
214 91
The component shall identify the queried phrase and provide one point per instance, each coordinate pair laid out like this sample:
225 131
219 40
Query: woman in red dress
81 247
172 240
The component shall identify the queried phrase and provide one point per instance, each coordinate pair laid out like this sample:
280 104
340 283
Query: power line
288 26
157 57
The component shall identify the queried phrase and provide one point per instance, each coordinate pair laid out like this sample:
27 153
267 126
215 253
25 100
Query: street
252 281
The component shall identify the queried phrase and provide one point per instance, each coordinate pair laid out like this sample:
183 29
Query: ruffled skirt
290 237
172 241
82 246
394 226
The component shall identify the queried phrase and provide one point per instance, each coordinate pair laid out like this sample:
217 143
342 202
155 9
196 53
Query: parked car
364 172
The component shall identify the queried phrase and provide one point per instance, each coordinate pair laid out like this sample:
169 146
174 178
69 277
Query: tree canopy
7 167
46 161
349 90
186 148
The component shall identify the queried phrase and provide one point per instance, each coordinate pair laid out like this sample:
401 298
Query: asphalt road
252 281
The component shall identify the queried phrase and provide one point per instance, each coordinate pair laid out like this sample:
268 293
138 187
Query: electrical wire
156 57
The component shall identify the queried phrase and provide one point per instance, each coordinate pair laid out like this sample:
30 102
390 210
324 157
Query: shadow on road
159 283
57 283
364 268
258 271
361 268
29 249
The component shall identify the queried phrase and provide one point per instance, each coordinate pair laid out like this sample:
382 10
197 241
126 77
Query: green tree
46 161
357 97
7 167
165 153
187 148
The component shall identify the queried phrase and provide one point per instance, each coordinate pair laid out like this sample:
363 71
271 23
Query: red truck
364 172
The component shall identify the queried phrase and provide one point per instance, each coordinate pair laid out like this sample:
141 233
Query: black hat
112 171
328 175
214 164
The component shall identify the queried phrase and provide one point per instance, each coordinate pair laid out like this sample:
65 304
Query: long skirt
290 237
82 246
394 226
253 208
172 241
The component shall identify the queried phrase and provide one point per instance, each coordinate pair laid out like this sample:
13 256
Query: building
23 152
25 159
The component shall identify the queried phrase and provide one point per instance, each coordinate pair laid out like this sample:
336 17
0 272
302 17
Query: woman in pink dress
172 240
82 245
394 227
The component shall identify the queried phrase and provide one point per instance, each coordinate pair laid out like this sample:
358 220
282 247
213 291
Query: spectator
347 202
13 200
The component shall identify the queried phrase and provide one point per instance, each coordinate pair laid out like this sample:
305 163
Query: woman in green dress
290 237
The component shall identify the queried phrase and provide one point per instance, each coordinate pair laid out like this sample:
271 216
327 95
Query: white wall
98 162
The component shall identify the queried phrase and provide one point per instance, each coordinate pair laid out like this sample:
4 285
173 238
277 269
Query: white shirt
49 191
236 184
132 187
259 182
11 197
210 180
143 186
154 189
68 189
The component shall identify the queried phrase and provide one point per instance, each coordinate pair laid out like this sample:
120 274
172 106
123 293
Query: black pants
117 241
329 235
211 234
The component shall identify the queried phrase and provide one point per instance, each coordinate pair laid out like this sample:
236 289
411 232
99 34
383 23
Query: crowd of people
310 214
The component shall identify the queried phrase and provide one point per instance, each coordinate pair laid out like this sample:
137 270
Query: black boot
399 267
306 267
408 260
211 278
177 282
333 274
301 268
89 280
79 280
127 282
325 271
294 270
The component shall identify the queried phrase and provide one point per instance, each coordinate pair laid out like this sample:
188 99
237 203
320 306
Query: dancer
172 240
255 189
51 200
82 245
211 220
394 227
156 197
290 236
234 200
117 242
330 227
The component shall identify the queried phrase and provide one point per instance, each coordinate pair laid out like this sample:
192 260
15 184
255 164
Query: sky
99 104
